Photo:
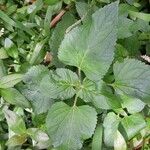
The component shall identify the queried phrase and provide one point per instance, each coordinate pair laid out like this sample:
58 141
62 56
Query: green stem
75 100
76 96
79 73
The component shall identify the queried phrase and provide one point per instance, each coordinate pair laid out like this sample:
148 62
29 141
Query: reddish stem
59 16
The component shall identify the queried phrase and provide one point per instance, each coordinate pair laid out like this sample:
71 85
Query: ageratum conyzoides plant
93 94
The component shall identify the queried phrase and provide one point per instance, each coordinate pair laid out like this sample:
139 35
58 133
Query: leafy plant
74 75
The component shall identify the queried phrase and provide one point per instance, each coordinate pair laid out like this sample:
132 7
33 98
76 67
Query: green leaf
15 23
69 126
124 27
120 53
48 18
97 138
132 77
51 10
16 140
98 95
58 35
62 84
40 138
133 125
110 124
82 8
3 53
13 96
37 88
68 1
41 86
10 80
2 69
15 122
51 2
92 54
141 25
104 1
35 7
132 44
120 143
132 104
38 53
85 10
11 48
140 15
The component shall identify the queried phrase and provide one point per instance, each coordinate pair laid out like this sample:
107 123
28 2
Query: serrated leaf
98 138
82 8
41 86
10 80
132 77
120 52
69 126
85 10
58 35
124 27
140 25
62 84
132 125
97 94
13 96
110 124
92 54
132 44
133 105
36 88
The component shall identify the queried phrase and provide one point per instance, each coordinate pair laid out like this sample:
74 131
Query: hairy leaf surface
35 88
90 47
62 83
98 95
133 77
69 126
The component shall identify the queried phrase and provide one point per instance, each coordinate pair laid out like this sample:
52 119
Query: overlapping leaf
98 95
36 81
63 83
90 46
13 96
10 80
110 124
69 126
133 77
133 125
42 86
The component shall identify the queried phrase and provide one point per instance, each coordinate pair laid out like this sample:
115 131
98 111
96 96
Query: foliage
74 74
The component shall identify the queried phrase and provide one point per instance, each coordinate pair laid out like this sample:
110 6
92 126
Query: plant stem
79 73
75 100
59 16
76 96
